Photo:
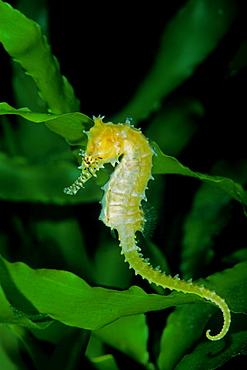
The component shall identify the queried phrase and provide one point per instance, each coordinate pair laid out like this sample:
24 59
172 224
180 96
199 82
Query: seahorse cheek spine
121 203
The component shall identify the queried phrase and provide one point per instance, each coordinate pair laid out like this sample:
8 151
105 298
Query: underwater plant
68 300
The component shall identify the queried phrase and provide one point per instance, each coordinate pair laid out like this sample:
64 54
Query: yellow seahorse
121 203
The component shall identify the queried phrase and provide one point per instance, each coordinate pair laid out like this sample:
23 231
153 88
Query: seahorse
125 146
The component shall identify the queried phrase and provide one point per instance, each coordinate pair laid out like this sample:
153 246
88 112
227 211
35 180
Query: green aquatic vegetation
63 280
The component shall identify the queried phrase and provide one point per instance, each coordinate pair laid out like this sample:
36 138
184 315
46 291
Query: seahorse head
104 146
104 143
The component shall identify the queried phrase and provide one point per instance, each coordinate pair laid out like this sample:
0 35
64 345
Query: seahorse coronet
121 203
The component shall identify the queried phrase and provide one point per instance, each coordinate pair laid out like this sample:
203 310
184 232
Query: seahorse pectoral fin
150 220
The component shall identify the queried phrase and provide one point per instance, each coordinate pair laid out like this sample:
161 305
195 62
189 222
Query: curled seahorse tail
220 302
143 268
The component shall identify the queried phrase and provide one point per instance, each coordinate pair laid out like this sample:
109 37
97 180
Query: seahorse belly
125 190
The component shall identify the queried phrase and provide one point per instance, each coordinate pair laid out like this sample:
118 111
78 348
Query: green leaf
65 297
105 362
208 215
68 125
175 124
8 315
32 346
128 335
214 355
188 39
185 326
165 164
10 356
23 40
70 350
180 337
183 330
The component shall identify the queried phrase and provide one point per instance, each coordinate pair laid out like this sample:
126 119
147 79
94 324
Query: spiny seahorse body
121 203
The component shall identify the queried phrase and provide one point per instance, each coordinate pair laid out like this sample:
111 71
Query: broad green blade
65 297
69 350
165 164
68 125
128 335
8 315
187 323
22 38
214 355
